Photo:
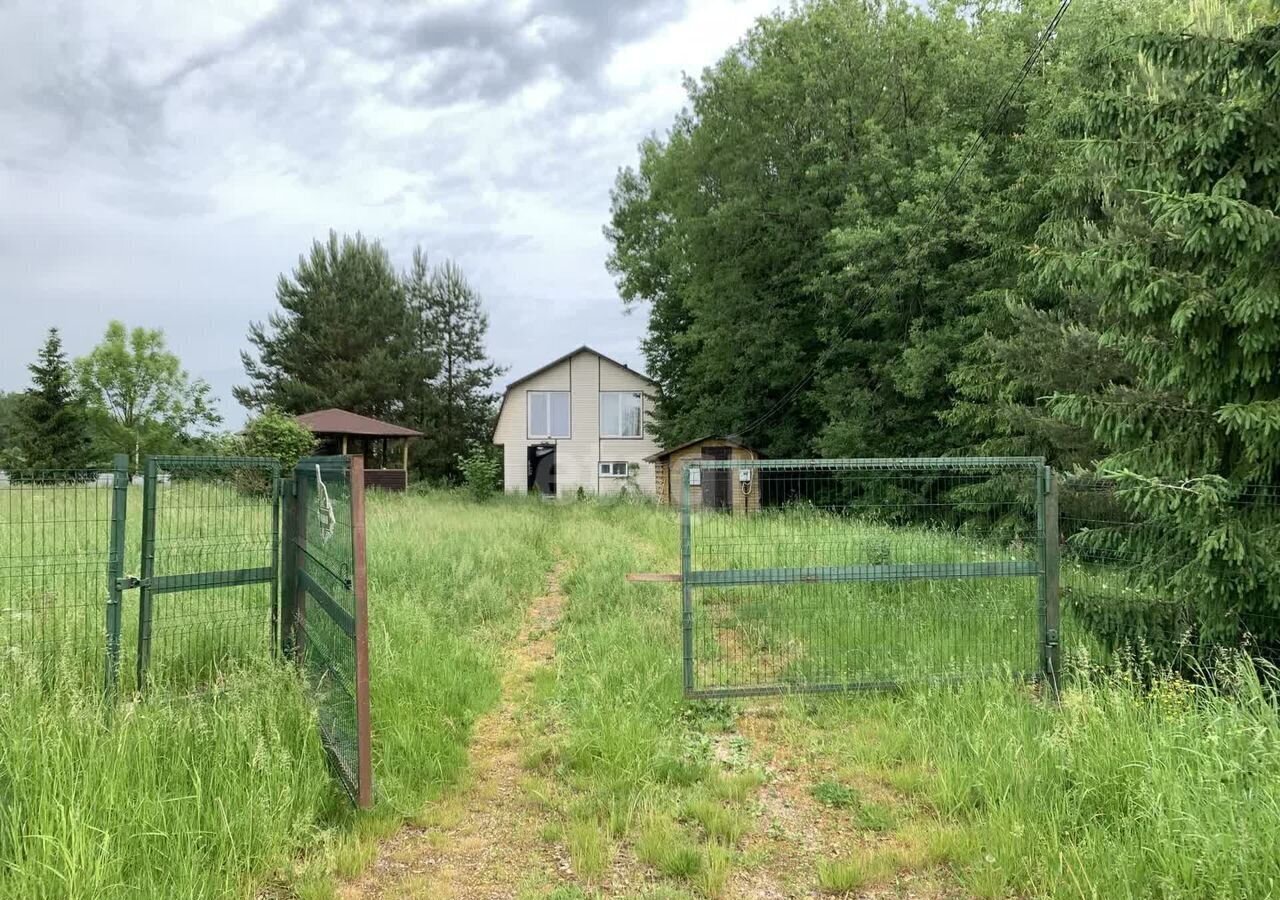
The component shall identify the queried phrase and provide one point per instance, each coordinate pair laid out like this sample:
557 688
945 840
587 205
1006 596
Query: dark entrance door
542 469
715 482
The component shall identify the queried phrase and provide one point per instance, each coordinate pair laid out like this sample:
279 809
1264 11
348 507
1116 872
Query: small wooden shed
385 447
719 489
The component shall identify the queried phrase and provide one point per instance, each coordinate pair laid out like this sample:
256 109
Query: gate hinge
128 583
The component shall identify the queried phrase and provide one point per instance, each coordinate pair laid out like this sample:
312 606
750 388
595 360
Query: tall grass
1118 791
213 792
195 797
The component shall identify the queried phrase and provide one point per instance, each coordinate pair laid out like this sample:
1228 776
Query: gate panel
208 585
326 614
864 574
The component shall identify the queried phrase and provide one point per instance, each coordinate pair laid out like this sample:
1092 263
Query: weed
720 822
589 848
835 795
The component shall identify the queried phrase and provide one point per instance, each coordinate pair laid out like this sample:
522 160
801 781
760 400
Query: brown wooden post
404 454
344 445
359 588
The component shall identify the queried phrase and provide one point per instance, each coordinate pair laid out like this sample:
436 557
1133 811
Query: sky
162 163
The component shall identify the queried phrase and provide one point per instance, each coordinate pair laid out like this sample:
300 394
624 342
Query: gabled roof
572 353
732 442
339 421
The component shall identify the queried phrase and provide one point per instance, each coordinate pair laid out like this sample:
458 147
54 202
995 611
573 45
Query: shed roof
732 442
339 421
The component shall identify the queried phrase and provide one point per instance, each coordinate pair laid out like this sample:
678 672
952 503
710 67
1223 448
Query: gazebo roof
339 421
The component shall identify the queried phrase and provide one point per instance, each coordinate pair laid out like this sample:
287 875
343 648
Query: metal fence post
296 616
1051 660
288 564
277 498
115 569
686 567
148 566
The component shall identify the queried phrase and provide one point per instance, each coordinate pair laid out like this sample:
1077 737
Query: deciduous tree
141 398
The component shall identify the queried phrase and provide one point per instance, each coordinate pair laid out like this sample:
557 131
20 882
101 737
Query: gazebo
386 465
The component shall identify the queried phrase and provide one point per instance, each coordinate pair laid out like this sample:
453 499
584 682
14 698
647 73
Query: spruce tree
1186 139
50 430
450 327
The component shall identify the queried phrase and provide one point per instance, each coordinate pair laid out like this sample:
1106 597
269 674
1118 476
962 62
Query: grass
217 792
1116 791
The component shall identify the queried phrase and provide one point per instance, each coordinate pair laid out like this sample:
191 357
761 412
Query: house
578 423
719 488
385 447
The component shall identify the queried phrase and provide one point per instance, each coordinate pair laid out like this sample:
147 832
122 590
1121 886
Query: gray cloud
163 165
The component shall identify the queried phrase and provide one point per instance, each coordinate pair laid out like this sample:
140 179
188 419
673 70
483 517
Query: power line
988 123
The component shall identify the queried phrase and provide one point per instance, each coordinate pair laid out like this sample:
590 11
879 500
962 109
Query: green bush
278 436
480 471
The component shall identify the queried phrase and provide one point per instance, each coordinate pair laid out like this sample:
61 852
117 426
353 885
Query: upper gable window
548 414
621 413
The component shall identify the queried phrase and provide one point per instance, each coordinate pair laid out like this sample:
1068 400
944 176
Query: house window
614 469
548 414
620 414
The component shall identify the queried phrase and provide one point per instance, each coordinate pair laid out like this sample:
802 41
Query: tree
343 337
458 404
141 397
9 401
1184 132
49 427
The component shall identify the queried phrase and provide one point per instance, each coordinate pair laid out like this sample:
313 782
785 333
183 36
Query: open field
506 631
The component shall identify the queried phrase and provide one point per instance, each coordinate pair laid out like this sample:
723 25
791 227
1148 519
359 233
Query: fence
1139 564
326 616
207 594
858 574
58 545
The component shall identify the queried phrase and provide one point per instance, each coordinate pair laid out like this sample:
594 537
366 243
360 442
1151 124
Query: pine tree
1186 137
343 337
51 426
450 328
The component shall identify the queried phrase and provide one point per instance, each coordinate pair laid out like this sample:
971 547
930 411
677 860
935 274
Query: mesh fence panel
327 617
1134 573
209 550
54 553
825 575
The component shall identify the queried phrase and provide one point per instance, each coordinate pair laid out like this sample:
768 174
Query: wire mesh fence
55 547
1170 574
209 555
325 609
846 574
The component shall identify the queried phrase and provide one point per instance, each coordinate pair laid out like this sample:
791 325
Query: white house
580 421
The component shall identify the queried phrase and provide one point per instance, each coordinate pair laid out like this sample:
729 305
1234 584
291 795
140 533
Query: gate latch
128 583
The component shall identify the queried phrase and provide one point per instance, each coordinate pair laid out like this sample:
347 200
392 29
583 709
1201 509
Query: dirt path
483 842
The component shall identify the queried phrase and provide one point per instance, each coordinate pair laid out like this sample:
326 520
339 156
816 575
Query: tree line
351 332
836 265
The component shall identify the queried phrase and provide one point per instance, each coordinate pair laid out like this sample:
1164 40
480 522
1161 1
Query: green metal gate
828 575
325 613
208 583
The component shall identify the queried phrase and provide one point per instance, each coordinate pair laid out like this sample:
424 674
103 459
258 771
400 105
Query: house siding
578 457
